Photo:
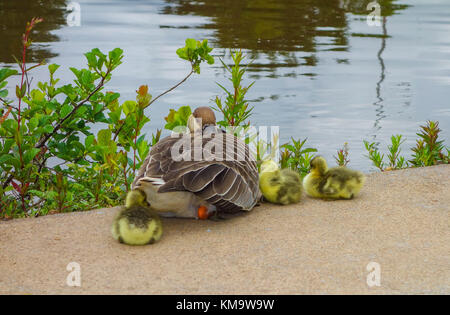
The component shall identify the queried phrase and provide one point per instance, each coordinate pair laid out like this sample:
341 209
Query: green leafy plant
429 149
295 156
235 108
177 117
196 52
395 160
341 157
50 158
375 156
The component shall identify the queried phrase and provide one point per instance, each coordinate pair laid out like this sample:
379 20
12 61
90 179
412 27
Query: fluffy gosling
137 223
334 183
279 186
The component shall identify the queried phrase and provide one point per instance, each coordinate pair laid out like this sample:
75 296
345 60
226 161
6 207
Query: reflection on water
379 103
321 72
267 26
275 28
14 14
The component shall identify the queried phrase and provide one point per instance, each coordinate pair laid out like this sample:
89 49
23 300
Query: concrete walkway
401 221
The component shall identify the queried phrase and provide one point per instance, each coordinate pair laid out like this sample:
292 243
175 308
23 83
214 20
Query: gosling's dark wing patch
338 177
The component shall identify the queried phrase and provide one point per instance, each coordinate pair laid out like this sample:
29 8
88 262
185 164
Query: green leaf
191 43
178 118
86 77
143 147
115 57
111 97
65 110
52 68
33 123
210 59
6 72
76 72
37 95
10 160
4 158
129 107
104 137
182 53
92 59
29 155
20 91
48 129
10 125
7 145
89 141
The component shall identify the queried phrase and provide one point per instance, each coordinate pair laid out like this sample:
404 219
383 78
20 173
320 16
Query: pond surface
321 71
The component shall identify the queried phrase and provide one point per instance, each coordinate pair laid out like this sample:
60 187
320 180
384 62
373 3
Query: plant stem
125 176
173 87
135 144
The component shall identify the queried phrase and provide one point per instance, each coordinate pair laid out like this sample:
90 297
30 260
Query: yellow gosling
137 223
279 186
334 183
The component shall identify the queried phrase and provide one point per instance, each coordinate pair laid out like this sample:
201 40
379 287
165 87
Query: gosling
334 183
137 223
279 186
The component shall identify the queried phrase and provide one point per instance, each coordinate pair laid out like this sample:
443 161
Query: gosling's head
201 116
269 166
136 197
319 164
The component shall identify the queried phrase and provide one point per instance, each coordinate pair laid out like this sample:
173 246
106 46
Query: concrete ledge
401 220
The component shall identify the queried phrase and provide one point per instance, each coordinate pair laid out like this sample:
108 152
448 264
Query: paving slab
400 222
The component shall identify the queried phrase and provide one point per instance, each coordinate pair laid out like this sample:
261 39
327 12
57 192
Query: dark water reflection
14 14
321 71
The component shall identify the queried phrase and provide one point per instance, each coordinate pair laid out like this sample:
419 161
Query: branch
173 87
153 100
43 140
5 103
7 181
118 131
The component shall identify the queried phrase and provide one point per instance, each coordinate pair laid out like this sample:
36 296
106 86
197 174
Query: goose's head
269 166
201 117
319 164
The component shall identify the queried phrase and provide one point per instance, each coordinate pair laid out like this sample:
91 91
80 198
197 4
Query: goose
214 175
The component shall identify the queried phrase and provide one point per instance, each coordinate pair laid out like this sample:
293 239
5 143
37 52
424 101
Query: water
321 72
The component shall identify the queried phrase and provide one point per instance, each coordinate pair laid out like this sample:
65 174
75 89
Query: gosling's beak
194 124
